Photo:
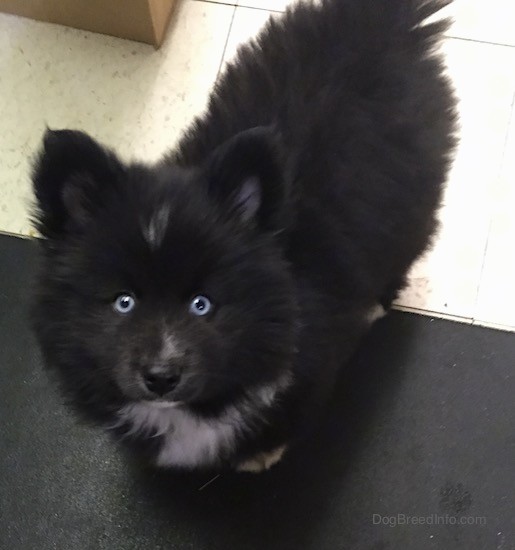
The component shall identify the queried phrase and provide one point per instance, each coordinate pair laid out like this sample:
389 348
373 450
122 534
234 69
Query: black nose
161 383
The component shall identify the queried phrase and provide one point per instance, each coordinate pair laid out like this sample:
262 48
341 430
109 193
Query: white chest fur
190 441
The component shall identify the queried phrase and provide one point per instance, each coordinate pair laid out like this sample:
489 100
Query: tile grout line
234 7
257 8
497 181
433 313
478 41
233 4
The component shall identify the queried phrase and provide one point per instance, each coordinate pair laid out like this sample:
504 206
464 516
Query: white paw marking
375 313
262 461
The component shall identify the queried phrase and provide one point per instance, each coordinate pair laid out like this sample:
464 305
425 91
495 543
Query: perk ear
68 178
245 178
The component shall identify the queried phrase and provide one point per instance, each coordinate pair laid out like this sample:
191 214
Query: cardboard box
141 20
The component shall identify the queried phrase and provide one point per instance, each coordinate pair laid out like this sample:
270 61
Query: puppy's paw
261 461
375 313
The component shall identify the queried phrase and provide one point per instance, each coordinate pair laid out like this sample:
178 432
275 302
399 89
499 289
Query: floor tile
275 5
230 2
496 298
488 21
447 279
246 24
126 94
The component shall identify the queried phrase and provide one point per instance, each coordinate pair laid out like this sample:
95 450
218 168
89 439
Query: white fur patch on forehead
170 348
155 230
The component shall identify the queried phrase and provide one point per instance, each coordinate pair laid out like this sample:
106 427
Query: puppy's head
164 283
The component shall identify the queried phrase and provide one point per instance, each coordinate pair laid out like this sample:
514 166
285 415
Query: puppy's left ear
70 176
245 176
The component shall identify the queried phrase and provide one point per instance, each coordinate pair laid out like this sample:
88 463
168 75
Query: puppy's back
307 69
357 92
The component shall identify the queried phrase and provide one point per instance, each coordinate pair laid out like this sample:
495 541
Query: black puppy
203 306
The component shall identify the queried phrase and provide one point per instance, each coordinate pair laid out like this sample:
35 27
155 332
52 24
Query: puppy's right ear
70 177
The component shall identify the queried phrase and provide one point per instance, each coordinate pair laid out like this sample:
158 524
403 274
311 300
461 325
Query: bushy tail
396 18
413 15
422 9
407 12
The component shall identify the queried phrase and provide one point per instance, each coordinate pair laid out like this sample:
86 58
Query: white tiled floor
447 280
496 299
138 100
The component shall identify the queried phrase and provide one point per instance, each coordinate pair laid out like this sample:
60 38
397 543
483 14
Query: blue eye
200 305
124 303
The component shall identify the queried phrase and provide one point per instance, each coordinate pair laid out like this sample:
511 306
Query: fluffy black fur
296 204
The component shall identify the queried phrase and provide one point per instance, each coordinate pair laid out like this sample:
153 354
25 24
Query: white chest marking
191 441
